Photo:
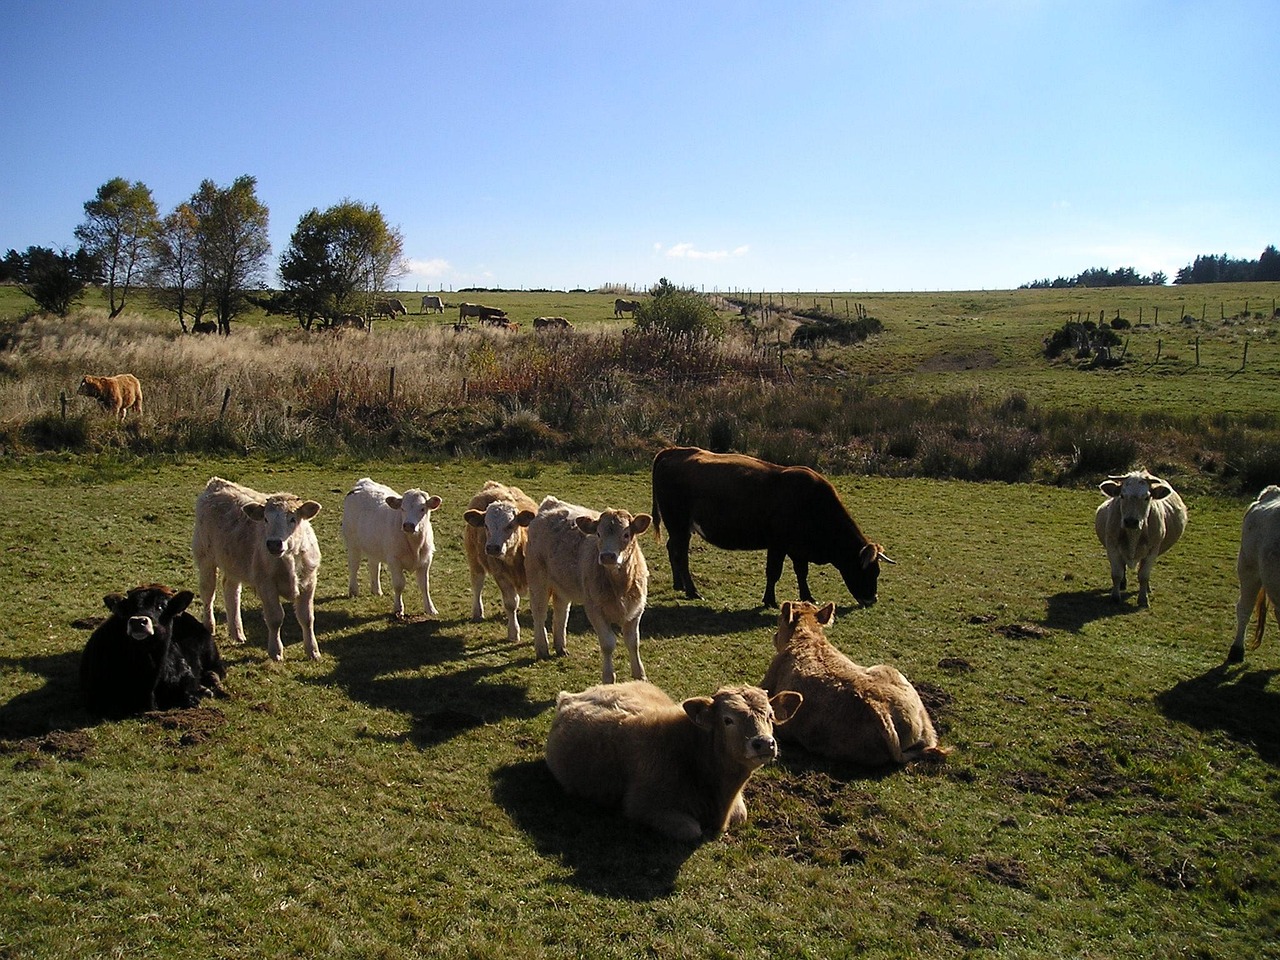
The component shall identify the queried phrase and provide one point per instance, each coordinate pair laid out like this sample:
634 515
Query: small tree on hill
176 277
119 223
55 280
678 312
232 244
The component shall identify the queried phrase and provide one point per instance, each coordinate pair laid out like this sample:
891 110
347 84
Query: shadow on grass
53 706
607 855
1071 609
1234 700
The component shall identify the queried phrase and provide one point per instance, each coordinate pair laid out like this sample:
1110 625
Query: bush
678 312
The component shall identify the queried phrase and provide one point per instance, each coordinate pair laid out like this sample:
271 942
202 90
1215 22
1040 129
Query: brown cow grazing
488 315
865 715
679 768
204 326
551 323
494 541
621 306
389 308
119 394
576 555
737 502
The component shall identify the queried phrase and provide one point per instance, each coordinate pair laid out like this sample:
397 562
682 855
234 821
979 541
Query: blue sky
884 145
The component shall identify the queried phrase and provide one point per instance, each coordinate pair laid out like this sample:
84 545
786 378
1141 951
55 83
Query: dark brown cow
737 502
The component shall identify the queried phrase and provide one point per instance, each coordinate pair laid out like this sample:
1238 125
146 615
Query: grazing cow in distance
432 303
349 320
389 308
495 541
865 715
391 529
1258 567
204 326
576 555
149 654
621 306
551 323
737 502
1141 519
489 315
119 394
265 541
679 768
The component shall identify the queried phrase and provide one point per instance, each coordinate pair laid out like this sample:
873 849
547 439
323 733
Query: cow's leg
1119 578
397 589
1250 585
678 554
477 602
631 637
801 568
304 611
375 577
273 614
772 574
511 606
353 573
539 595
231 598
208 592
608 643
1144 580
424 587
559 623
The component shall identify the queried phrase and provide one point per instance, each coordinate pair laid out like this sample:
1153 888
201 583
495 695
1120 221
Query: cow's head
148 612
416 508
741 721
1136 491
282 514
803 617
862 575
503 525
616 530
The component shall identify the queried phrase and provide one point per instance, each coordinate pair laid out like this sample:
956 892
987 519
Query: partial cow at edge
118 394
495 541
679 768
870 716
737 502
1142 518
265 541
1258 567
392 530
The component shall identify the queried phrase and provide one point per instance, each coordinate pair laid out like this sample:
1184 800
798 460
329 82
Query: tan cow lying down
1142 518
1258 567
119 394
576 555
680 768
865 715
494 541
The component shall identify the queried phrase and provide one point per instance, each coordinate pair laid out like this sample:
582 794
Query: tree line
209 256
1208 268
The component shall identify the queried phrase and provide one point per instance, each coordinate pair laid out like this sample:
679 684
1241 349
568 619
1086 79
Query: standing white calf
1142 519
389 529
576 555
266 542
1258 566
494 541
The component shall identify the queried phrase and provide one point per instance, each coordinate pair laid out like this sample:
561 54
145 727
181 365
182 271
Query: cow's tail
657 519
935 753
1260 611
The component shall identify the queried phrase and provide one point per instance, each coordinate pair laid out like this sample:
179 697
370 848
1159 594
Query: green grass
1113 792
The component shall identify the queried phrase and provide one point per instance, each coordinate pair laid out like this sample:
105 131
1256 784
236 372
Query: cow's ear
177 603
475 518
869 555
308 509
640 523
1110 487
1160 490
588 525
827 614
524 518
113 600
785 704
434 503
255 512
784 615
394 502
700 710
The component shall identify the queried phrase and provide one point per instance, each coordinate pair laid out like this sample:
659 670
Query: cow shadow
55 705
1232 699
1072 610
605 854
695 617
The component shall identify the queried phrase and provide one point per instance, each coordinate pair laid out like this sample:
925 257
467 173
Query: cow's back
553 551
1260 532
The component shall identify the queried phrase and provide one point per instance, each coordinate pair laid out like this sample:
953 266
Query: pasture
1113 792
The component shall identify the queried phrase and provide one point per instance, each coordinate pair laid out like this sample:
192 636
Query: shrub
678 312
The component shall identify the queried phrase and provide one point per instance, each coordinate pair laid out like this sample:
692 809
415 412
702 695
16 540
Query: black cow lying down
150 654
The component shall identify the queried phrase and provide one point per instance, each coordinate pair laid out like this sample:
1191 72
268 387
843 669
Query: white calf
1258 566
389 529
1142 519
494 541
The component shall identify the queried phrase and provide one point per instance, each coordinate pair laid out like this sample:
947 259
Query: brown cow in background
119 394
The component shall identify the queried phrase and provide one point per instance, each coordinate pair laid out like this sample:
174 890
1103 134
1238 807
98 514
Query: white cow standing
391 529
576 555
1142 519
495 540
1258 566
266 542
430 302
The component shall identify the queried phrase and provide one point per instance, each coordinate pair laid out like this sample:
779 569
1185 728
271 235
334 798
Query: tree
1268 265
175 274
338 257
231 243
119 223
55 280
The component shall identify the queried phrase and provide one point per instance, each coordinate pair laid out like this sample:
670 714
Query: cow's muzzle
409 527
495 549
1131 523
141 627
608 559
763 748
275 547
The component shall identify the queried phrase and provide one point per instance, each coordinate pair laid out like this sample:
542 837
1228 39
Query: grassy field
1113 792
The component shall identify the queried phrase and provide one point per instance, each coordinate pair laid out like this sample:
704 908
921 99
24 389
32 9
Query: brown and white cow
551 323
576 555
432 303
1142 518
679 768
621 306
864 715
391 529
494 541
488 315
1258 566
737 502
265 541
119 394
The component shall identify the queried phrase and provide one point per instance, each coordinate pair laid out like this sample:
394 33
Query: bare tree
232 244
119 223
175 273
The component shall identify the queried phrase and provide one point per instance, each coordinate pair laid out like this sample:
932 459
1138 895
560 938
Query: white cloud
687 251
430 269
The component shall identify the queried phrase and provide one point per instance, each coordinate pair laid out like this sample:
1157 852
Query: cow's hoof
1235 655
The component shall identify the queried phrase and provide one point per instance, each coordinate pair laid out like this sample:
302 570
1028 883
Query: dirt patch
949 362
58 745
1023 631
193 725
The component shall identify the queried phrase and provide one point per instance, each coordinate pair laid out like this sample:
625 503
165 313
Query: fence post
63 397
1157 320
1159 348
1245 359
1197 351
226 399
391 387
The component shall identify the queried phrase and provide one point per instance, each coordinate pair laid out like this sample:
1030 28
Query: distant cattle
204 326
435 304
119 394
621 306
737 502
1142 518
495 540
391 529
265 541
551 323
489 315
679 768
576 555
389 308
1258 567
149 654
349 320
864 715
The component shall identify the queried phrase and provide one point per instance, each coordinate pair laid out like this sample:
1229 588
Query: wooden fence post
226 399
62 396
1197 351
391 387
1245 359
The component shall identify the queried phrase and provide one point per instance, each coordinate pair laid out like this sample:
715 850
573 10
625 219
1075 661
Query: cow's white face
501 528
1135 491
415 509
615 531
281 517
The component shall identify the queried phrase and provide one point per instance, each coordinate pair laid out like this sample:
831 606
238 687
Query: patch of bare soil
58 745
948 363
193 725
